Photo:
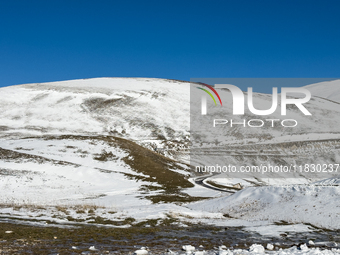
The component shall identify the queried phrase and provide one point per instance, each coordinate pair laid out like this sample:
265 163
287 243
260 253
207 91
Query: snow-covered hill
311 204
136 109
314 140
328 89
121 144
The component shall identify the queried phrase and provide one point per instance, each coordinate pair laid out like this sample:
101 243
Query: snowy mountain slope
78 161
123 142
316 205
152 112
314 140
328 89
76 143
319 126
137 109
155 114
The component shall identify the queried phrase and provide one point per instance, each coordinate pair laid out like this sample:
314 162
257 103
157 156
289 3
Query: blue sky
43 41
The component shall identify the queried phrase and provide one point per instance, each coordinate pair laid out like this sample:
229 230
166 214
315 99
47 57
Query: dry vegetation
145 161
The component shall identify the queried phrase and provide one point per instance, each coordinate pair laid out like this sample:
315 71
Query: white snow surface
146 111
130 107
316 205
327 89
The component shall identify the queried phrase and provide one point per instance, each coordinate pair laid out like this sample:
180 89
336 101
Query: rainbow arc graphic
213 90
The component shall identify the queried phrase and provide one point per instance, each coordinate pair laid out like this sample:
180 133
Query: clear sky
52 40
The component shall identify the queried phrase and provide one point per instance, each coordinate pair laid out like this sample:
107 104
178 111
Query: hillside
142 110
73 151
329 90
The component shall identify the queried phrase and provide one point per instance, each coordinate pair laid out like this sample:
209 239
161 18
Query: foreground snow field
115 152
315 205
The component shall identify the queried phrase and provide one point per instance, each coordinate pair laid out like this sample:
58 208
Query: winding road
200 181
